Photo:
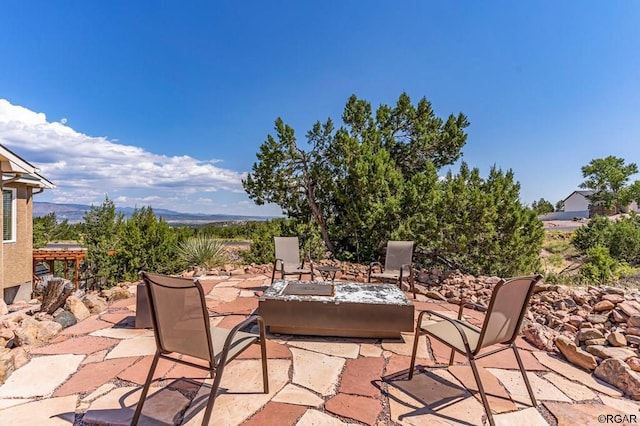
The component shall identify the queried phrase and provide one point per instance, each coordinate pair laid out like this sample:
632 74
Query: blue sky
166 102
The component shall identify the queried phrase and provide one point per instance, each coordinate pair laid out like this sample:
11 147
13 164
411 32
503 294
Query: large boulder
605 352
26 331
47 330
574 354
95 303
77 308
617 373
7 365
116 293
539 336
65 319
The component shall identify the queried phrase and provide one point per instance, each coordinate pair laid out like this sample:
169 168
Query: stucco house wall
22 181
16 255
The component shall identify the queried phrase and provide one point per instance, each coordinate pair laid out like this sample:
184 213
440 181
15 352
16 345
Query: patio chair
397 264
288 259
181 327
501 325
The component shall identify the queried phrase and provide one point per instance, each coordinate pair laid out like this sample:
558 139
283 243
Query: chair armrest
275 264
453 322
409 266
469 304
371 265
234 330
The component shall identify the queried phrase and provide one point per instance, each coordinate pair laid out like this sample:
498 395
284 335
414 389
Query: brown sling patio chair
502 322
398 264
181 326
288 259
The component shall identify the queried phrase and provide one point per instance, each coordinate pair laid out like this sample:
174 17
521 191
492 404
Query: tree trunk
55 294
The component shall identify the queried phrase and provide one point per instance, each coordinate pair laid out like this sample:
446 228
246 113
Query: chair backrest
179 315
398 253
506 310
288 249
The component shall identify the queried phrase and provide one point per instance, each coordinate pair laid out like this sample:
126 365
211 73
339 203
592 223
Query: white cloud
85 168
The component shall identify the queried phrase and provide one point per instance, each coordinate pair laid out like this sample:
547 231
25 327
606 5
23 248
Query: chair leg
212 395
524 374
452 356
413 285
145 389
414 351
263 354
483 395
273 275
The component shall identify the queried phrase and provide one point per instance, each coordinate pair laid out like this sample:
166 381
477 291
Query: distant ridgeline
74 213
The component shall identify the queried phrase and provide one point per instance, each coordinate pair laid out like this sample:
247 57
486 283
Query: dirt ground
564 225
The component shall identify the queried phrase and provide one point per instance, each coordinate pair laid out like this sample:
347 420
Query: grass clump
203 252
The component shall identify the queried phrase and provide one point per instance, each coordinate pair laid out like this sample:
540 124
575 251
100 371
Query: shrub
624 240
596 232
599 266
203 252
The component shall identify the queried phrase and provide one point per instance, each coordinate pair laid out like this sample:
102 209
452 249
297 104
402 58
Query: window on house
8 214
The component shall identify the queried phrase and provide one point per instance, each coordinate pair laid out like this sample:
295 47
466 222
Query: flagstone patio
92 372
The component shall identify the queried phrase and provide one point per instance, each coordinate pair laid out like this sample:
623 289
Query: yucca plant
202 252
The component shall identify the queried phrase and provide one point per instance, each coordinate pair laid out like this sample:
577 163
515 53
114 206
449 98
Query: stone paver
5 403
361 375
323 377
276 414
341 349
40 377
274 350
369 350
122 333
624 405
317 418
573 390
88 378
527 417
81 345
95 357
514 382
118 317
46 412
404 345
241 305
224 294
138 346
86 326
497 395
361 408
102 390
581 414
297 395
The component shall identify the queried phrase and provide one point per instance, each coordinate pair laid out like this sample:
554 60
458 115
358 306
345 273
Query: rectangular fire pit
336 309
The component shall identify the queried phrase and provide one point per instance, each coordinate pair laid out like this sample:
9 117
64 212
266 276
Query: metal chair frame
389 271
472 354
216 360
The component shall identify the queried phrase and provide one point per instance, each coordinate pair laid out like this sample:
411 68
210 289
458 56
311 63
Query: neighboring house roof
585 193
23 171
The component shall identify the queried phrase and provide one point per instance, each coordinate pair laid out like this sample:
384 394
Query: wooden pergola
50 255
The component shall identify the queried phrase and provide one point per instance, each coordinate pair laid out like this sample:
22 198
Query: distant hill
74 213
